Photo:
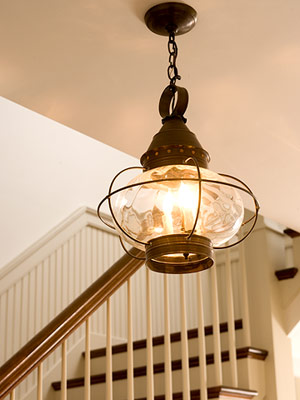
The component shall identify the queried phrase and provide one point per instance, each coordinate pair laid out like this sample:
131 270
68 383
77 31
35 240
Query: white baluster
130 385
184 343
216 327
87 364
201 341
40 382
167 342
230 321
108 352
246 317
150 378
63 393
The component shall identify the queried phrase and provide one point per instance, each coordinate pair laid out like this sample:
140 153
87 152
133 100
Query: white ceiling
94 66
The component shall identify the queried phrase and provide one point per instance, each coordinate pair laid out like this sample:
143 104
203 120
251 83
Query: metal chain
173 53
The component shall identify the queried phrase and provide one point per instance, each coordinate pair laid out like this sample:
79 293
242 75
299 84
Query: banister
42 344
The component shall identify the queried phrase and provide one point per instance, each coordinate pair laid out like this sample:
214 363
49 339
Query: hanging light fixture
177 210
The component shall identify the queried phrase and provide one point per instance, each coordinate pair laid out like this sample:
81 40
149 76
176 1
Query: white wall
47 171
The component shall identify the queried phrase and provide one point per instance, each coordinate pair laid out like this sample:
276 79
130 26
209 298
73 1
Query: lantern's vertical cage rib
199 196
111 193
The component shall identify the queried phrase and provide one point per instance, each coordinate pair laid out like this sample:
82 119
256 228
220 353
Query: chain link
173 53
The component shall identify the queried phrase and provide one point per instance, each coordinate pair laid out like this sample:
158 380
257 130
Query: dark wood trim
251 352
245 352
231 392
159 340
213 393
286 273
38 348
291 233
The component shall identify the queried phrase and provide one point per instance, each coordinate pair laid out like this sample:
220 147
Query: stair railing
31 356
56 332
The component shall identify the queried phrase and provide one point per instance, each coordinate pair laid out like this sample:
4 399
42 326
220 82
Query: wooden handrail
42 344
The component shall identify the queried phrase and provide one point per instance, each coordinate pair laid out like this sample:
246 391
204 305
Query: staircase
247 357
66 358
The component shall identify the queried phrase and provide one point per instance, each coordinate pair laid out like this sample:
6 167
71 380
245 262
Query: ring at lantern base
175 254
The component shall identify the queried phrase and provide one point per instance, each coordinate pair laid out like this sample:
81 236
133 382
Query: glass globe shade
155 209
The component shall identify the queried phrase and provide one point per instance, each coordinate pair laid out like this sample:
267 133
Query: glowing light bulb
188 202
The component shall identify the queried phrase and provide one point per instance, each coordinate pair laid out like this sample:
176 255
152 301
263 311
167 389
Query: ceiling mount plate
166 18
